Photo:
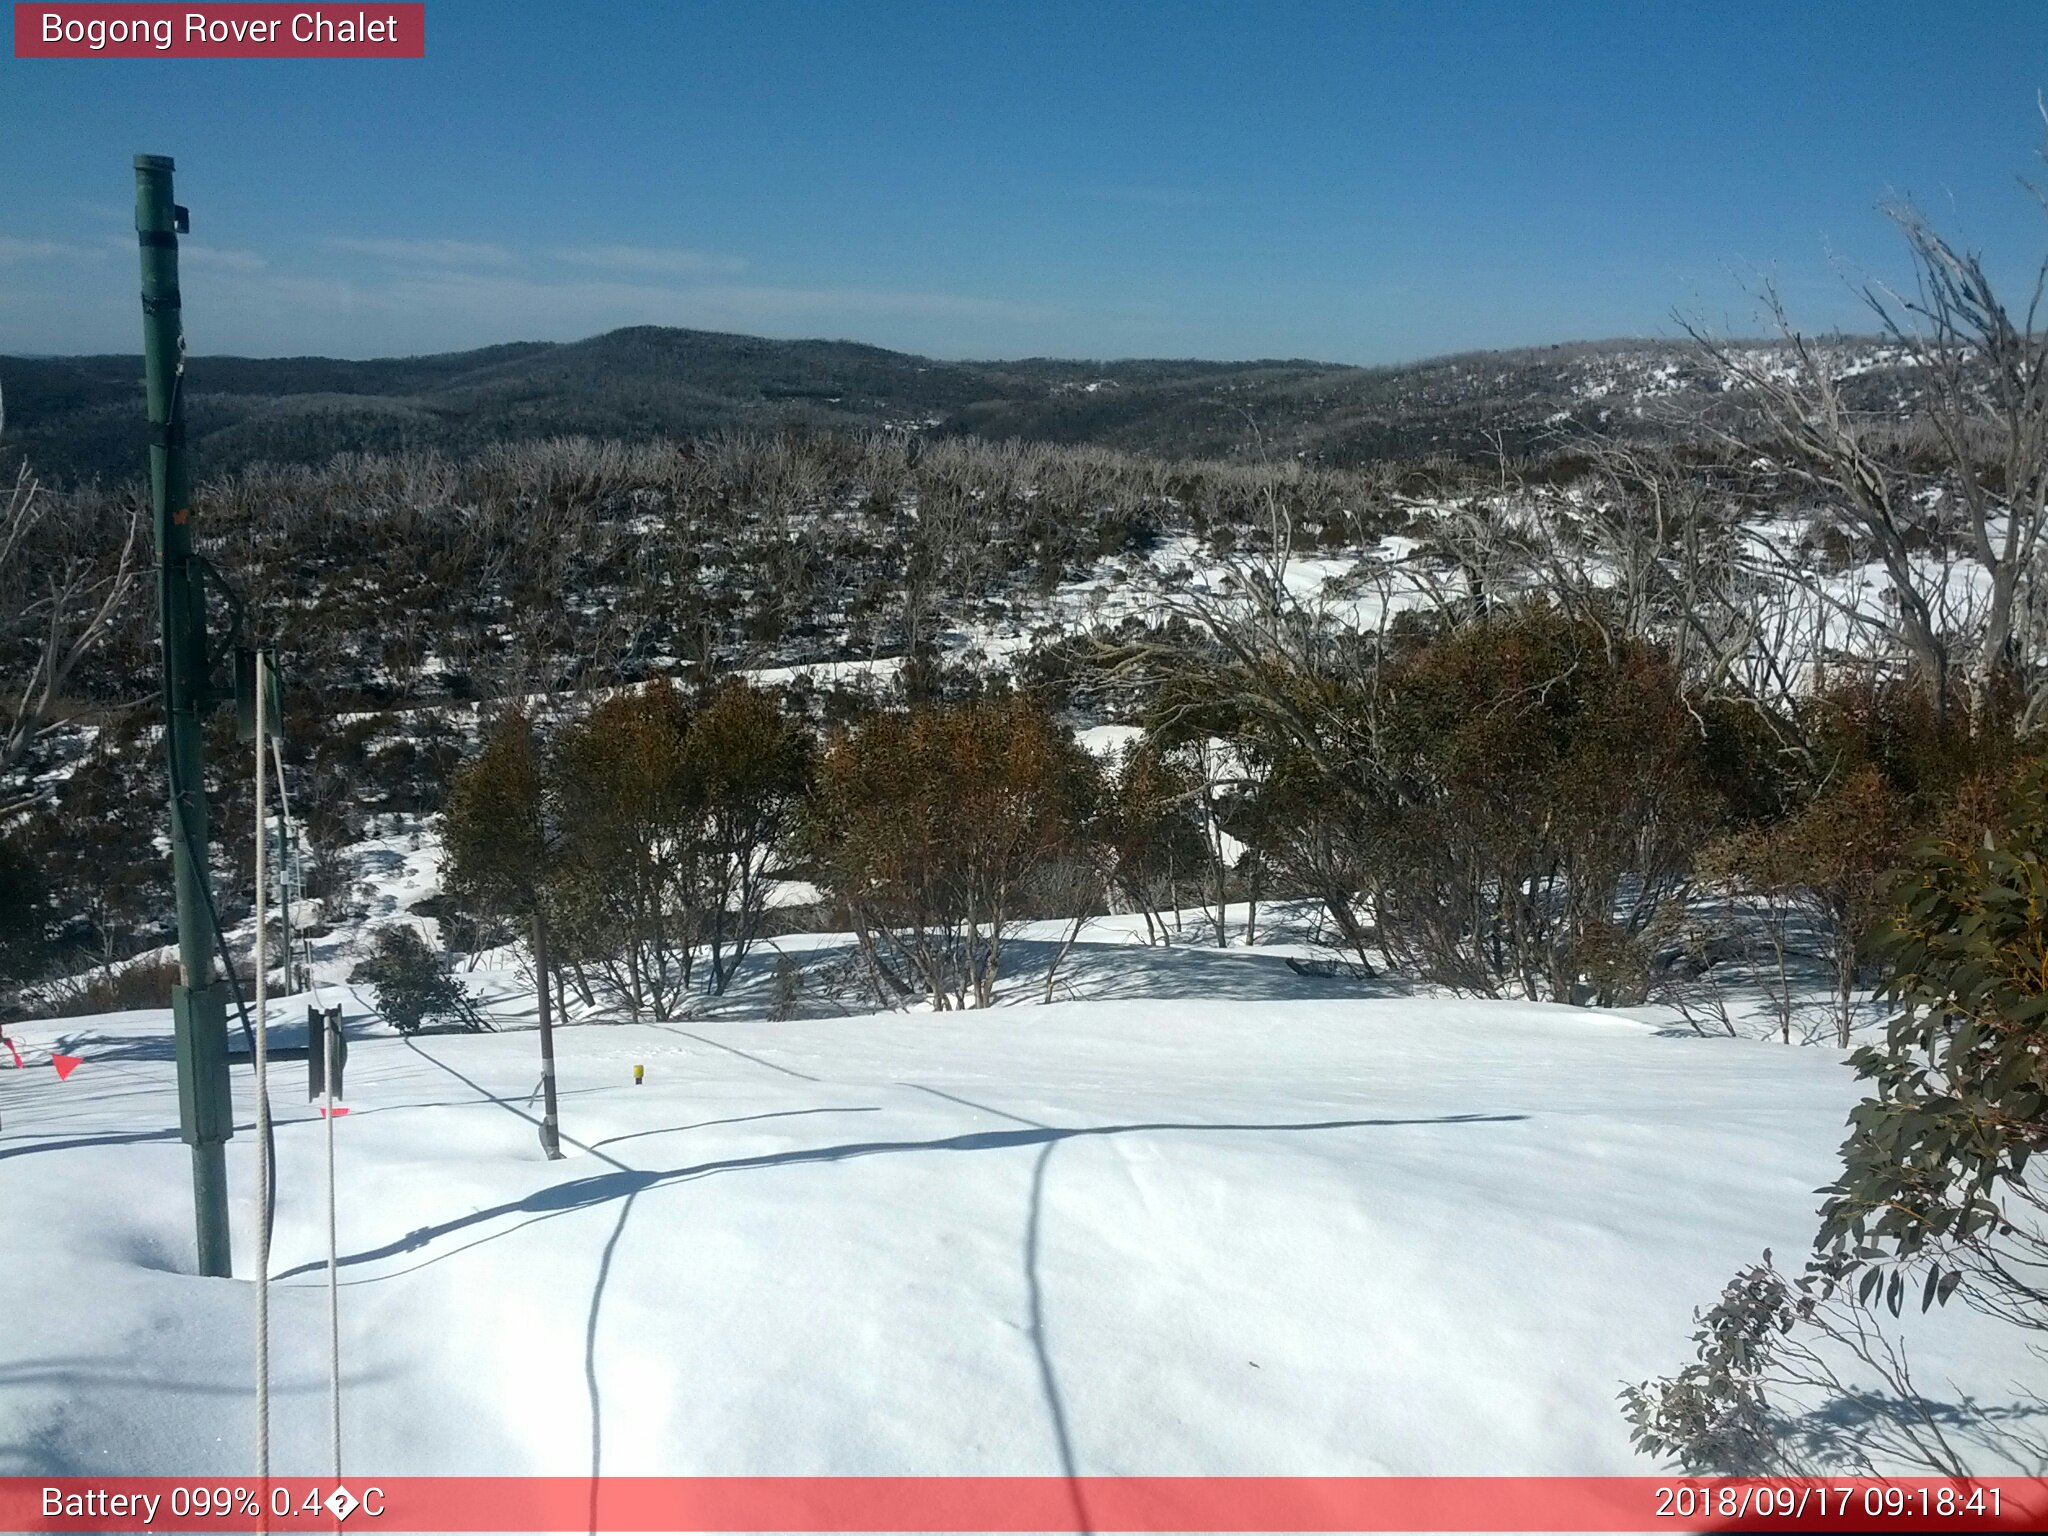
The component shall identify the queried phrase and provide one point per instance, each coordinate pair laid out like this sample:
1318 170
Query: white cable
288 878
264 1171
291 827
330 1043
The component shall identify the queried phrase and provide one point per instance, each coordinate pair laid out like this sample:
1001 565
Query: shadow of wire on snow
581 1194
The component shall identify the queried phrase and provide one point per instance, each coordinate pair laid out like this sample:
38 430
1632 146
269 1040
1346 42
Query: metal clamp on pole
325 1042
337 1046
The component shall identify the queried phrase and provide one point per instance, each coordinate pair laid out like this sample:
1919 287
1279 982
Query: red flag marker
14 1048
65 1065
339 1110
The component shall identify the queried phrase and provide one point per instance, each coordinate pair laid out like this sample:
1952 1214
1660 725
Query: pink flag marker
65 1065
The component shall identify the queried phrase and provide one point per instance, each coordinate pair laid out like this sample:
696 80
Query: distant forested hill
79 417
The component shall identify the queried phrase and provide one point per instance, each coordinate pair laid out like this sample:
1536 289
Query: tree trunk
1052 971
1222 889
1337 908
1845 987
551 1124
582 984
1783 1001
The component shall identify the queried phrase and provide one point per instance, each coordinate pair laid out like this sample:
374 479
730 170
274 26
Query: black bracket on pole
324 1036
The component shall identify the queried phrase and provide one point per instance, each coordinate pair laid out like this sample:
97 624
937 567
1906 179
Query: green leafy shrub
928 829
1933 1197
410 987
1935 1165
1541 799
27 922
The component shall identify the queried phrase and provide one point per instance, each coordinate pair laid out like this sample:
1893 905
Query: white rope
330 1044
287 876
331 1051
291 832
265 1173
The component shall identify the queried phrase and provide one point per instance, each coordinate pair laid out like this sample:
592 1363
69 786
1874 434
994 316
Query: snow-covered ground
1275 1225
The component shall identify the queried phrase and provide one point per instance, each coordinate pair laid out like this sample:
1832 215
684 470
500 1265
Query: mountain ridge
77 418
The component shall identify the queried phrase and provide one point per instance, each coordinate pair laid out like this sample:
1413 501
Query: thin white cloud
110 213
654 260
601 304
437 253
369 312
765 303
194 257
218 258
13 248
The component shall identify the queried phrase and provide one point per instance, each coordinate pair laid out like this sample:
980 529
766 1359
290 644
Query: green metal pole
198 1003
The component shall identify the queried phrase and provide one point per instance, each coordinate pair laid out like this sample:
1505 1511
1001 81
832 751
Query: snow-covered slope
1352 1236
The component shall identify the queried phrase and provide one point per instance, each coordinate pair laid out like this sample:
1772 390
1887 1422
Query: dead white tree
1951 504
1653 546
58 601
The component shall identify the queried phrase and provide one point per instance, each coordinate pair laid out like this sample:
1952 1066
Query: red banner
101 31
1098 1504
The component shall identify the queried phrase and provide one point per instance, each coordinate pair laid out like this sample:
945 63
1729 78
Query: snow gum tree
628 805
504 850
1827 861
751 766
1952 502
930 828
1147 834
1880 765
27 936
1502 798
673 819
1540 798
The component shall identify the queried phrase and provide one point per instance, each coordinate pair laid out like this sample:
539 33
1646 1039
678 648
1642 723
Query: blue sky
1352 181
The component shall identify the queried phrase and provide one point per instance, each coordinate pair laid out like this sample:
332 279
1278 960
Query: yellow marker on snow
639 1074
